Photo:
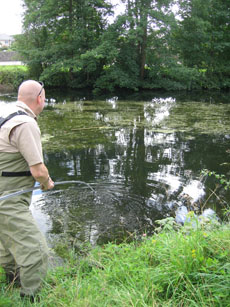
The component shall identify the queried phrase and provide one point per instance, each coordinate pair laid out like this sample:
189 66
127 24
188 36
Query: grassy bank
178 266
12 76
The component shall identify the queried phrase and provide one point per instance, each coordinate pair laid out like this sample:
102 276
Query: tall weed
189 266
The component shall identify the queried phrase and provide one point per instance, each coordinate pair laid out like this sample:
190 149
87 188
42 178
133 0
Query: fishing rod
40 187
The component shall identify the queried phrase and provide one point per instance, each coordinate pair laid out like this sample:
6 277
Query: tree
203 38
58 33
72 43
139 36
146 18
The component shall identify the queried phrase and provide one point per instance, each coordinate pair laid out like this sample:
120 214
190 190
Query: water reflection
42 219
142 158
113 101
137 183
158 109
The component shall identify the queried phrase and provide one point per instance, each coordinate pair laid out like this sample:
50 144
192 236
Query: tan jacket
21 134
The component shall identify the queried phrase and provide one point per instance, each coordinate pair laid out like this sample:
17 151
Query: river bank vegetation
145 45
178 266
11 76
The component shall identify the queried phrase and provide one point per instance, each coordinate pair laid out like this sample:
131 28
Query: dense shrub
13 75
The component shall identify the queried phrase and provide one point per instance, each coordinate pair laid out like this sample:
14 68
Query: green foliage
172 268
167 225
2 275
4 48
76 44
13 75
5 302
59 49
174 76
202 38
225 182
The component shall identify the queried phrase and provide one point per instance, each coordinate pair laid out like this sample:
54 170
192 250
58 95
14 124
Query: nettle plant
225 182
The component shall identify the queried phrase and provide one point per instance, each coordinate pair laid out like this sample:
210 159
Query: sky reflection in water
143 159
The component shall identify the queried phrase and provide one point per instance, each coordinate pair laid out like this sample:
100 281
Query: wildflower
205 234
144 235
193 253
154 241
191 214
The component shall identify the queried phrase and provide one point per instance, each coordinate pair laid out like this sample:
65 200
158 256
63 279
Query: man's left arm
41 174
27 140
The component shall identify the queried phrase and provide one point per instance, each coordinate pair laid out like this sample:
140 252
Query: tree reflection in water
142 158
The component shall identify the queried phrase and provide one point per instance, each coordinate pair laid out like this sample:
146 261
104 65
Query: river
142 154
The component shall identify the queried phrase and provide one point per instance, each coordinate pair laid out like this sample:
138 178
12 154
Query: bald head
28 93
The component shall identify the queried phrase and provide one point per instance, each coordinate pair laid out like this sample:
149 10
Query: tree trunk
143 47
143 40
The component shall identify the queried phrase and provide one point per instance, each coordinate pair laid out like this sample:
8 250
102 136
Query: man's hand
49 184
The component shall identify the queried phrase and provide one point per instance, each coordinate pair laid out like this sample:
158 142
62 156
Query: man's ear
38 104
39 99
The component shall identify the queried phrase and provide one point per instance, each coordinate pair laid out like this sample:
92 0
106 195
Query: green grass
185 267
13 67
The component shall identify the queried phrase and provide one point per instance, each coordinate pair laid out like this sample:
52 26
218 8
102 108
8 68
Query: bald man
23 249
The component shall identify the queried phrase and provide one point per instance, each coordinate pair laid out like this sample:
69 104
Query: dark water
143 157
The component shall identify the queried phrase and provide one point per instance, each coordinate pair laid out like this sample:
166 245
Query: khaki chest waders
23 248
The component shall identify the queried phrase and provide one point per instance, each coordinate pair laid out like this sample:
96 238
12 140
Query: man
23 249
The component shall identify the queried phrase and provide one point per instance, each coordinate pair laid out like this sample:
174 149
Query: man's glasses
42 84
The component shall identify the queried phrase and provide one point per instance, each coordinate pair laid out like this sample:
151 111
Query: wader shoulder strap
4 120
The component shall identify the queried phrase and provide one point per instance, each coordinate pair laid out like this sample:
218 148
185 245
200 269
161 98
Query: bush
13 75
